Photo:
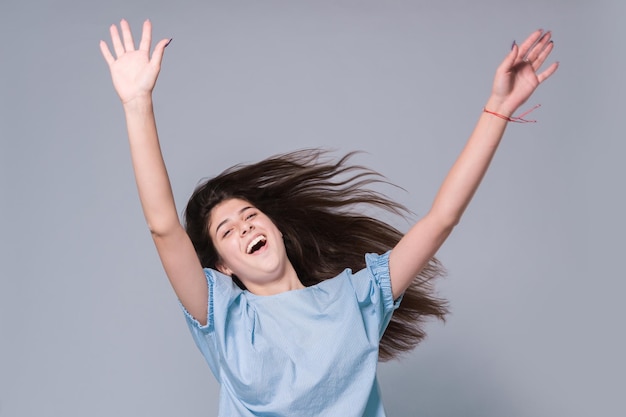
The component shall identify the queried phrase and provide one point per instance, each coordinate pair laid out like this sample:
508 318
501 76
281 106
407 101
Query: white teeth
255 241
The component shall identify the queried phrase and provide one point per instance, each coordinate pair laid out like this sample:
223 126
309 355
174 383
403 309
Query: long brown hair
317 205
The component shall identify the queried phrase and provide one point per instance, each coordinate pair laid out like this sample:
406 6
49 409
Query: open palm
517 77
134 72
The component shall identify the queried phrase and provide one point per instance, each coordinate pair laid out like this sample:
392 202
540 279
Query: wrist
139 103
497 105
503 113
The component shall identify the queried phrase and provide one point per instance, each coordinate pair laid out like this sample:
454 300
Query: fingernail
513 45
168 42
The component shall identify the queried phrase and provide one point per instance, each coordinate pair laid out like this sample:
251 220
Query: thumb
510 59
157 54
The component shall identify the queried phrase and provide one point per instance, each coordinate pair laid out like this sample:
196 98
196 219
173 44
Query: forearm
470 167
515 80
153 183
423 240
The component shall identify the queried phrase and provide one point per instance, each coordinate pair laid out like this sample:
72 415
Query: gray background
88 323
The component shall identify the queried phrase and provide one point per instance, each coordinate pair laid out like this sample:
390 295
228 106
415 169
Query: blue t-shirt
306 352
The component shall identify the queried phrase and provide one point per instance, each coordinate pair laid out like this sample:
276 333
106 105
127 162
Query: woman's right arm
134 75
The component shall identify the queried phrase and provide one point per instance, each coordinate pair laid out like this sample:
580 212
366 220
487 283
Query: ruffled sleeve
372 287
191 320
221 293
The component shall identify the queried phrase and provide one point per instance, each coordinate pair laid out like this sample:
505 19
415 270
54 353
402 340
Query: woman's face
248 243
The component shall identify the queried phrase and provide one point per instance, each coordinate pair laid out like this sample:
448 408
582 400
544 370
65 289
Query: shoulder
376 270
222 292
378 265
372 284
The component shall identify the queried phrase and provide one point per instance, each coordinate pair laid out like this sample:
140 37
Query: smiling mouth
256 244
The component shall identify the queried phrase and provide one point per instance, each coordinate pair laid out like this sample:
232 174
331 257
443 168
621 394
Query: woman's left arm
515 80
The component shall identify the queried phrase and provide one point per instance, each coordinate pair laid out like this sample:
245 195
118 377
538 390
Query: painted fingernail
513 45
168 42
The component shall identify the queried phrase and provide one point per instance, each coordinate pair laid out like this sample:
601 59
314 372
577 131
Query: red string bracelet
516 119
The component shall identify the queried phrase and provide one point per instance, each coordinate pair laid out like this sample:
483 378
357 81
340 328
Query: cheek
221 261
217 248
225 249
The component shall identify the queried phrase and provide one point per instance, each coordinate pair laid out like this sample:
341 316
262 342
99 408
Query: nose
245 228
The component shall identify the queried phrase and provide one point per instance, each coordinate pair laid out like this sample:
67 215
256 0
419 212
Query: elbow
156 234
160 230
447 227
156 230
444 221
453 221
447 214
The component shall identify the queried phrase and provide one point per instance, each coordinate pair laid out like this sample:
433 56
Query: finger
117 42
510 59
538 47
528 43
543 55
127 36
106 53
548 72
146 36
157 55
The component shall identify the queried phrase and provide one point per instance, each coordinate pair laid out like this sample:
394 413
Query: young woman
264 269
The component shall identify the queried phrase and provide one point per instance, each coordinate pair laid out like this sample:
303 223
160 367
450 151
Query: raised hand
134 72
517 77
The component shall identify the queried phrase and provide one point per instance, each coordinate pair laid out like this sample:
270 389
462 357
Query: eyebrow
226 220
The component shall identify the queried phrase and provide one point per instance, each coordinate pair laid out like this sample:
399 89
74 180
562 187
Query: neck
288 281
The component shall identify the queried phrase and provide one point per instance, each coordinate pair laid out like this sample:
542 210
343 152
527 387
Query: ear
223 269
